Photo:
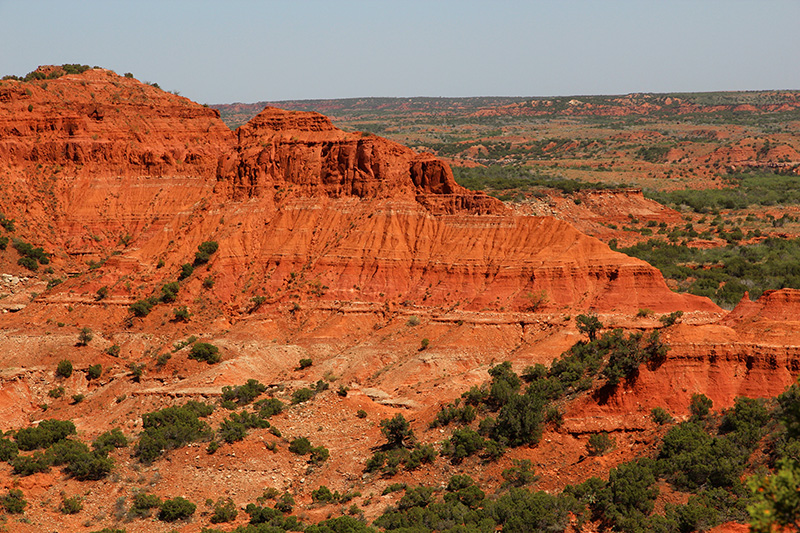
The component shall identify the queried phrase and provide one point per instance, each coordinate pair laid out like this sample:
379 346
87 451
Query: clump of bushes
203 351
172 428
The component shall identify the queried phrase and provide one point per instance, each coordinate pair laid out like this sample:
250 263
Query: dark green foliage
304 363
66 451
13 501
300 446
463 443
203 351
234 428
171 428
700 406
660 416
30 257
110 530
628 353
56 392
29 263
26 465
94 371
186 270
462 489
141 308
44 435
113 350
302 395
724 274
72 505
505 384
520 474
589 324
64 368
285 503
320 386
322 495
243 394
398 432
137 370
520 510
224 511
181 314
109 440
177 508
670 319
204 252
268 407
520 421
85 336
599 443
90 466
319 454
143 504
454 412
653 153
629 495
169 292
3 242
8 449
78 398
7 224
416 497
340 524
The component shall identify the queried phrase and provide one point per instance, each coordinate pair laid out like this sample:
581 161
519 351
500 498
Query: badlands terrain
271 328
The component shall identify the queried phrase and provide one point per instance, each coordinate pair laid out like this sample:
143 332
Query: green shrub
47 433
26 465
8 449
169 292
589 324
72 505
660 416
243 394
102 293
13 501
177 508
64 368
700 406
234 428
143 504
113 350
397 431
319 454
302 395
90 466
304 363
78 398
56 392
361 413
203 351
94 371
463 443
520 474
204 252
300 446
141 308
186 270
181 314
599 443
224 511
670 319
171 428
109 440
268 407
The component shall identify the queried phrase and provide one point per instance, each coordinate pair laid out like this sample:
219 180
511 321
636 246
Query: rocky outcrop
107 162
304 152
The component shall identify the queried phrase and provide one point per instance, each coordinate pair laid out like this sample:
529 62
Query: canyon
345 248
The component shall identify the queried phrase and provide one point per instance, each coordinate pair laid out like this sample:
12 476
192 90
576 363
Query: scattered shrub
64 368
599 443
94 371
660 416
13 501
204 252
300 446
72 505
304 363
177 508
203 351
224 511
171 428
302 395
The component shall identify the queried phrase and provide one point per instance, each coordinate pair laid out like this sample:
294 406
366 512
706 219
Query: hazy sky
248 51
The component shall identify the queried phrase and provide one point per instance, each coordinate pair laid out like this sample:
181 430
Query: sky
249 51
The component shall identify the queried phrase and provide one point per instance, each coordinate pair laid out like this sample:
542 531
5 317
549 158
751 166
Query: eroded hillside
348 274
